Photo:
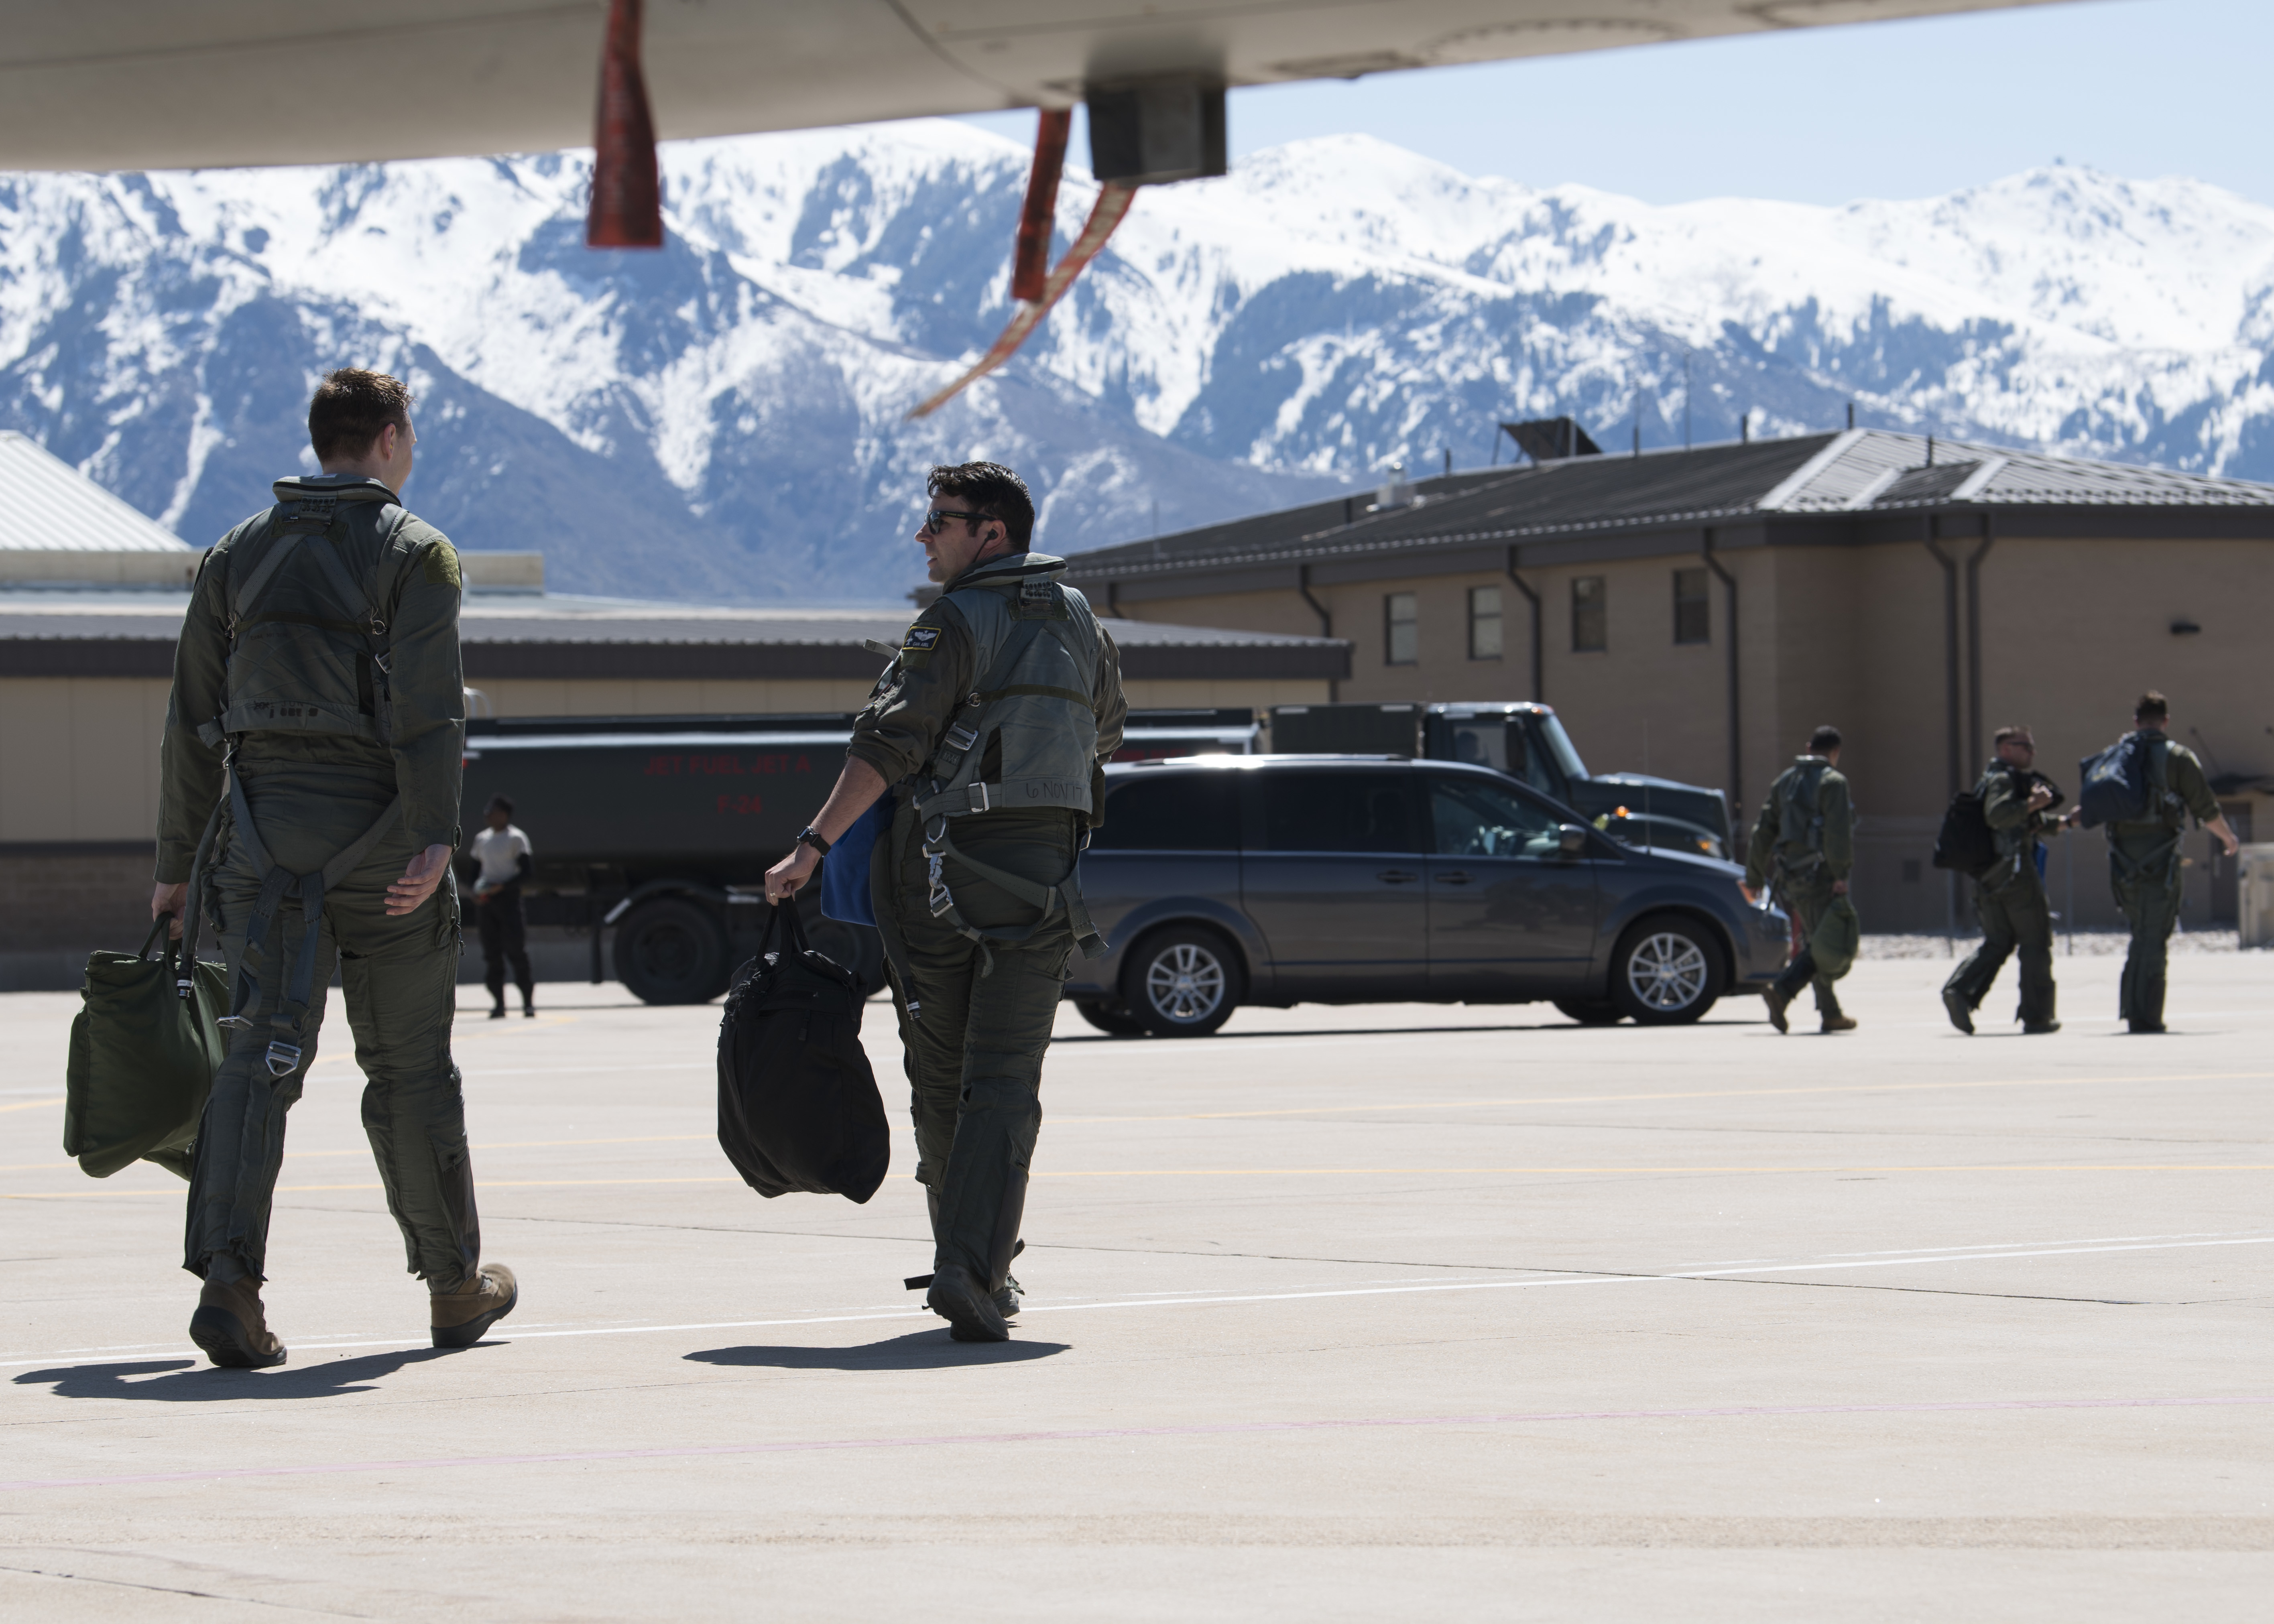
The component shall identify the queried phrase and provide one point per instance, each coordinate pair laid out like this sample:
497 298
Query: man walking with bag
987 730
1804 845
318 697
2151 785
2009 898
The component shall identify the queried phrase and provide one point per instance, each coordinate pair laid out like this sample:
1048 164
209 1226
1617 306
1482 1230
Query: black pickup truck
663 827
1526 741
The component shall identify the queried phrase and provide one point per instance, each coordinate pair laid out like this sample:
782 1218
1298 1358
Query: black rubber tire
1667 971
1183 981
1591 1012
1110 1018
672 951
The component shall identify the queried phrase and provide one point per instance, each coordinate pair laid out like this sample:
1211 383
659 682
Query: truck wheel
1111 1019
671 951
1591 1012
1183 981
1667 971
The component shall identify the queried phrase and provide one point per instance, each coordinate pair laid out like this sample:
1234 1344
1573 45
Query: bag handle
183 954
783 916
157 932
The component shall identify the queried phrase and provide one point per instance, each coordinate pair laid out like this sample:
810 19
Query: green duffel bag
1838 934
144 1051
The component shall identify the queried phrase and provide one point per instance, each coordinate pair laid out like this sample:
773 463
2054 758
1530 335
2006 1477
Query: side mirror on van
1570 839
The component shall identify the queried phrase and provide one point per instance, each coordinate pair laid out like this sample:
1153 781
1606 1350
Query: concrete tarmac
1400 1312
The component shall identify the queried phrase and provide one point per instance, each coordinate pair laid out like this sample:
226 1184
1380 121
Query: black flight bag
798 1106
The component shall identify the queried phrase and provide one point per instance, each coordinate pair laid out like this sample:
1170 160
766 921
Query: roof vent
1548 439
1396 491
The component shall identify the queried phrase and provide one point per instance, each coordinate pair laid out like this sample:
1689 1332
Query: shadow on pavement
187 1381
920 1350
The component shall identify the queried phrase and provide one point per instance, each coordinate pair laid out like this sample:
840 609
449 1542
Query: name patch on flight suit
916 649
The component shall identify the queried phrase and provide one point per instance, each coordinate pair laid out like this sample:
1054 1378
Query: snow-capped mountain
726 419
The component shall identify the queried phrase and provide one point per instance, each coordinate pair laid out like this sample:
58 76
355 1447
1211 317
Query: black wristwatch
811 836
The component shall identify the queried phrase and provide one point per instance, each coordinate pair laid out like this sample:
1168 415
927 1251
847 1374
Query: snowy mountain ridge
725 418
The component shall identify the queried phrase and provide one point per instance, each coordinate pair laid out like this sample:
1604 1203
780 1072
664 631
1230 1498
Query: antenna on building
1851 414
1745 429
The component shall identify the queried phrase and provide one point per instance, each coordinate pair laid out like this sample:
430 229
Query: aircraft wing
178 84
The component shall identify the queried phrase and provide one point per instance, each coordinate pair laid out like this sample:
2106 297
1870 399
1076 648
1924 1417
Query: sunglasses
936 519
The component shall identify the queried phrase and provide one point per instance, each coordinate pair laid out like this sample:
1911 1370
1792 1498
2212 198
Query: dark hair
2013 730
991 489
499 803
1825 738
2153 707
351 407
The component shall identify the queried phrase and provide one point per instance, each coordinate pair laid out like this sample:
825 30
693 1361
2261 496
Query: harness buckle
960 737
977 795
231 1020
283 1059
378 625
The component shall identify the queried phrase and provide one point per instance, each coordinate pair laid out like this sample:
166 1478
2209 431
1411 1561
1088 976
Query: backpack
1966 841
798 1106
2124 784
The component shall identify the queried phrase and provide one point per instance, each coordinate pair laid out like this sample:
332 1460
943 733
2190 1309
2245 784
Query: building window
1484 622
1401 628
1591 631
1692 620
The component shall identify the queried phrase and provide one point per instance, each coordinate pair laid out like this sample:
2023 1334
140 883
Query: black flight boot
962 1299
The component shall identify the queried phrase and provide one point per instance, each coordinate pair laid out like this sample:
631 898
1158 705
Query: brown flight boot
463 1317
232 1327
1778 1000
1838 1023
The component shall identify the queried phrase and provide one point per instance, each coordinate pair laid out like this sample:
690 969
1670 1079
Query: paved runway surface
1394 1312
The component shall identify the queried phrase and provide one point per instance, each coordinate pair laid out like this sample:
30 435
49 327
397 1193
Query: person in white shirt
502 858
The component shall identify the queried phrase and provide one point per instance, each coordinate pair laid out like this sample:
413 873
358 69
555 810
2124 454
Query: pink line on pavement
1078 1435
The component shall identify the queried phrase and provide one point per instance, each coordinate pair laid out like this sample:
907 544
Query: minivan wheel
671 951
1110 1018
1590 1012
1667 971
1182 982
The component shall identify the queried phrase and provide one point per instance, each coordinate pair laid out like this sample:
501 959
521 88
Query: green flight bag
1839 932
145 1046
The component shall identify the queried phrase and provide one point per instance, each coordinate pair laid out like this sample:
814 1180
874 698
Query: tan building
92 596
1695 613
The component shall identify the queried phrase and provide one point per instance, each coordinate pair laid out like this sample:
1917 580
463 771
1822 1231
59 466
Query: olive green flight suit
2010 901
2144 871
311 792
1804 872
975 1057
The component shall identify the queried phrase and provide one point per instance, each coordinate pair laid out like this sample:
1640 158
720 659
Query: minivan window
1179 812
1338 812
1473 819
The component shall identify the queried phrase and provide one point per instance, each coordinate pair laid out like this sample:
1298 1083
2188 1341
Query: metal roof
1861 470
540 637
48 506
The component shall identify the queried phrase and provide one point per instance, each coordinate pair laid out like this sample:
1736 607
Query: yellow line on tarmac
1311 1172
25 1105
